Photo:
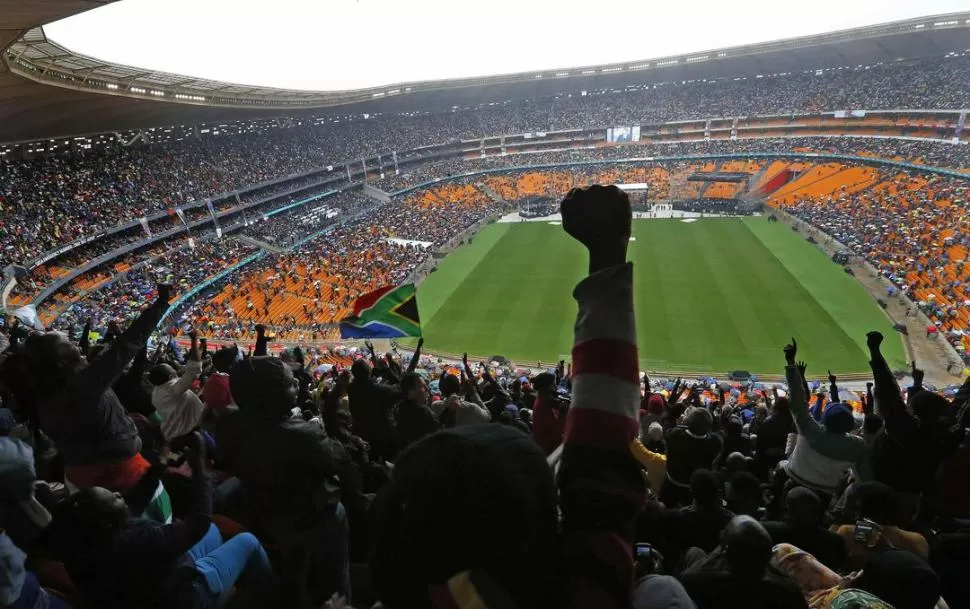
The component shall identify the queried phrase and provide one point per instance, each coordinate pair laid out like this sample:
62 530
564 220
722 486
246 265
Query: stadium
811 190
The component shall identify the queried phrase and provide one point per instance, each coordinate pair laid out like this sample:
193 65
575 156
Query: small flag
389 312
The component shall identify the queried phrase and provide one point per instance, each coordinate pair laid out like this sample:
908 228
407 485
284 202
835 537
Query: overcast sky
344 44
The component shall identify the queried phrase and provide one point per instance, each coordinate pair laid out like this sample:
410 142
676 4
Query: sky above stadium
348 44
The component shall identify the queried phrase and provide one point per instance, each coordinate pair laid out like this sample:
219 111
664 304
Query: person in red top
216 394
548 421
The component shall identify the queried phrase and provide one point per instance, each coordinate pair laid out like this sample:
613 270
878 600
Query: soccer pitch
712 295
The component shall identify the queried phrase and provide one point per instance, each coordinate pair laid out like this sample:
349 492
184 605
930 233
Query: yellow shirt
654 463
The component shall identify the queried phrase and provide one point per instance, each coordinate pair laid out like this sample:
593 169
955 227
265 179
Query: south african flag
389 312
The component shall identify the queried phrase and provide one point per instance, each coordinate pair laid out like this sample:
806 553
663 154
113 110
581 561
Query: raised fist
917 375
791 350
597 216
874 340
194 334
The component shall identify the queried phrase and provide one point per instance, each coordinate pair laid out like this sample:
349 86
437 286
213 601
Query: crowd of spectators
932 153
912 228
304 291
53 199
119 300
297 224
713 206
345 479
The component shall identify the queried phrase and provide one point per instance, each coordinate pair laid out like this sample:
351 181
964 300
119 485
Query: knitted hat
837 418
472 498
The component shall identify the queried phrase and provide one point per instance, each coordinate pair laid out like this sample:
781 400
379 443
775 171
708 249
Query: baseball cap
17 479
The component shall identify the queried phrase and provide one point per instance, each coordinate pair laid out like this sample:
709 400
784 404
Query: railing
864 160
418 160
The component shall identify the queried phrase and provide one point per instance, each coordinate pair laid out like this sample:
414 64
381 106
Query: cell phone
863 532
642 550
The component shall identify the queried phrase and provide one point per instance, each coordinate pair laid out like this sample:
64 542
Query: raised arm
917 382
85 341
416 357
888 397
103 372
601 487
262 342
193 366
833 387
796 394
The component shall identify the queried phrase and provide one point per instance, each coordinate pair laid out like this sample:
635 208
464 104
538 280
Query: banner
215 220
144 225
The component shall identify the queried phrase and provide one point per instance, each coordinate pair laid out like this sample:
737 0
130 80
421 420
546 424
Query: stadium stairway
260 244
491 194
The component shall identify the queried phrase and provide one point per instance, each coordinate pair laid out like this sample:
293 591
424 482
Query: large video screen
623 134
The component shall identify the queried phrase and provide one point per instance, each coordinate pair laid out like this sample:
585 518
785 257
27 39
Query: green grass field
711 296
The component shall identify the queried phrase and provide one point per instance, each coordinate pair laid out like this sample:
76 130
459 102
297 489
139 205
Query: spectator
97 541
293 483
803 528
455 411
372 406
699 525
173 398
735 574
823 453
877 510
216 393
414 419
78 409
689 448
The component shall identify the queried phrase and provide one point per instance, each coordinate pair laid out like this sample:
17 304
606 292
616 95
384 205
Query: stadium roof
49 91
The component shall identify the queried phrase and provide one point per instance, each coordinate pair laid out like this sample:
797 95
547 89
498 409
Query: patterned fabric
159 508
822 587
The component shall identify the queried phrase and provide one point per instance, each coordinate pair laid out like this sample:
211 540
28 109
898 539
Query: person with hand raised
77 407
823 452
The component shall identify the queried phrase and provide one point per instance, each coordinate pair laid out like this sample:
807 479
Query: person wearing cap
22 518
823 452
